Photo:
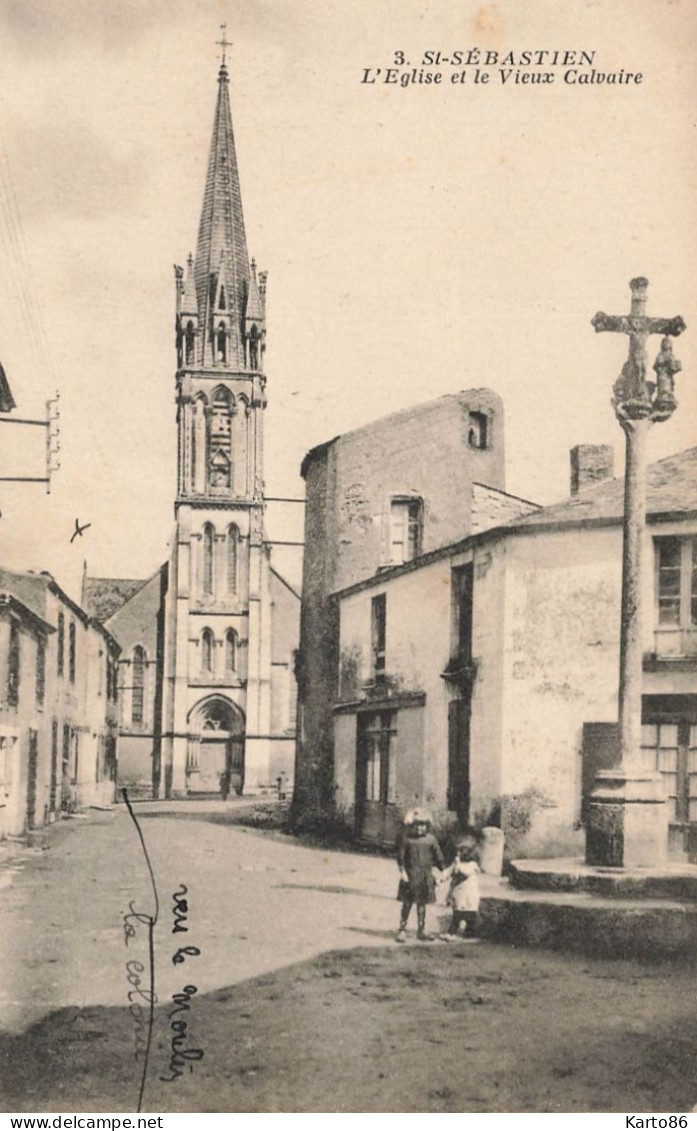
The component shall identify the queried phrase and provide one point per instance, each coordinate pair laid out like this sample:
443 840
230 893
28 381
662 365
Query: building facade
487 671
380 496
205 640
58 705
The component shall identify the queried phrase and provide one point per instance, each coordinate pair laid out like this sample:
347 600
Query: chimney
590 464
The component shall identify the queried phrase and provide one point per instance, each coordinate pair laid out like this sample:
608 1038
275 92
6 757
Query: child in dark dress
418 852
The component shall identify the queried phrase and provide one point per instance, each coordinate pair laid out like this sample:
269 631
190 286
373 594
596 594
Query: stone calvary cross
633 393
627 824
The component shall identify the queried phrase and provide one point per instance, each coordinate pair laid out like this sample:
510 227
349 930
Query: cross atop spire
224 43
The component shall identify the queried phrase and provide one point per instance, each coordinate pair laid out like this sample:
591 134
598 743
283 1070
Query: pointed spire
254 310
221 232
189 299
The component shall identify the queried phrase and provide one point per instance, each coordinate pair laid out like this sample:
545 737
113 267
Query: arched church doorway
215 753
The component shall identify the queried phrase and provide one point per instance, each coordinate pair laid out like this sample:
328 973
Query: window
207 651
477 430
676 596
230 650
13 665
7 757
671 748
61 643
405 530
208 545
233 535
138 686
378 613
40 672
71 652
462 605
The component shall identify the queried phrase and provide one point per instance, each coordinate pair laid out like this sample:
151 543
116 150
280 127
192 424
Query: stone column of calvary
627 823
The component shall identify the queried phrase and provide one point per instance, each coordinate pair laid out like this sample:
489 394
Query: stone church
206 678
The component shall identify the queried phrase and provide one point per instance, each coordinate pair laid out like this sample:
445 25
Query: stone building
206 674
487 669
58 709
377 498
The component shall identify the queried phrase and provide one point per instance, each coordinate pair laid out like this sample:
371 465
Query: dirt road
294 992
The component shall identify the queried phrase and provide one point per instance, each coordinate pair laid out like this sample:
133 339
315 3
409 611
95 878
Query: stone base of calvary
627 823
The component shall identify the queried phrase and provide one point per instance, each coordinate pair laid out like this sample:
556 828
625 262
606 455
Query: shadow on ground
387 1030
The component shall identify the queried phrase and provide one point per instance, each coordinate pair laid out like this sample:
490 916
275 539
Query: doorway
377 816
215 756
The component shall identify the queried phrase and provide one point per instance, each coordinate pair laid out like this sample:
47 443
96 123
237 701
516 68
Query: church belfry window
207 651
220 439
232 538
230 650
208 549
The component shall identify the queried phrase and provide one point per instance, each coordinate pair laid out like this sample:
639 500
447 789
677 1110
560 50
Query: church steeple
229 329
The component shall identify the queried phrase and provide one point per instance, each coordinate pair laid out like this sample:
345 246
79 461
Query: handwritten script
182 1055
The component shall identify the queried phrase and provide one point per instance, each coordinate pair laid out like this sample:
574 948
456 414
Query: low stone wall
599 929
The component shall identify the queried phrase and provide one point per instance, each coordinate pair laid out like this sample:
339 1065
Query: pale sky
418 240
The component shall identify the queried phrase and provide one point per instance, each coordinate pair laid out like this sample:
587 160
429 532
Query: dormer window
477 431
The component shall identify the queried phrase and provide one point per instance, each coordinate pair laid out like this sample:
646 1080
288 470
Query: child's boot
421 919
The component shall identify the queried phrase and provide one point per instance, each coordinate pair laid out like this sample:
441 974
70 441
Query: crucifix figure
626 817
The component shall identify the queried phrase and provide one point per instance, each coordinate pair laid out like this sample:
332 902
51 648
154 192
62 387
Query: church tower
217 638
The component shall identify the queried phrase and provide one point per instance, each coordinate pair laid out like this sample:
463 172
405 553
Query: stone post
627 823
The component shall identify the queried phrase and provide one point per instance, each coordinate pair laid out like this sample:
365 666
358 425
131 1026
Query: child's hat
418 817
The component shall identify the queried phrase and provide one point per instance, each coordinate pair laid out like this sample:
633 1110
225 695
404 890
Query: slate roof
104 596
671 489
29 588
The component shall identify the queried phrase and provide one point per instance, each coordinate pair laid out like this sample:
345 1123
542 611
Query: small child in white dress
463 895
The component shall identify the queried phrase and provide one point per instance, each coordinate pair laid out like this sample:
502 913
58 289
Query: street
291 994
